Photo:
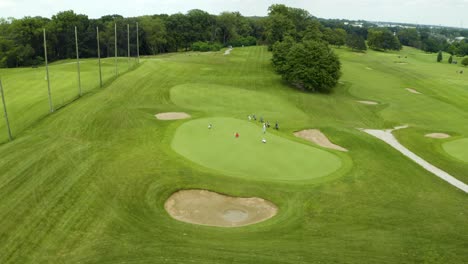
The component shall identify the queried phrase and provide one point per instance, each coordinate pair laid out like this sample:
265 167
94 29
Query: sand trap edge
438 135
411 90
317 137
368 102
172 116
265 207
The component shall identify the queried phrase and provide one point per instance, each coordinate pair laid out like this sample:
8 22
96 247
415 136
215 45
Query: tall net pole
51 106
128 44
138 44
115 60
78 63
10 137
99 56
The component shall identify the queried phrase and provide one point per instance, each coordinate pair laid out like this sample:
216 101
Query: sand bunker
172 116
368 102
314 135
203 207
412 91
437 135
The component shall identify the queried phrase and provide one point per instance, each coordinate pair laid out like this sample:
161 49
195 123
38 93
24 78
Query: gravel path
227 52
387 137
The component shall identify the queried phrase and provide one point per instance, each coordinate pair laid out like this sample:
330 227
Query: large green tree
311 66
356 42
409 37
382 39
154 31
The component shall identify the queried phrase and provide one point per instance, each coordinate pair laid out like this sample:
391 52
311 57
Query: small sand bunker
317 137
437 135
412 91
203 207
368 102
172 116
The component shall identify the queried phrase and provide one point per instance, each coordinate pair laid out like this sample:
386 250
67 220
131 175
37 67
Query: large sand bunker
437 135
172 116
317 137
412 91
368 102
203 207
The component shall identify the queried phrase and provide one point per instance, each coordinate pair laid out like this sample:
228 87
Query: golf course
97 180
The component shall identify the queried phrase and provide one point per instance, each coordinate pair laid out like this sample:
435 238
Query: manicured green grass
247 156
458 149
26 92
88 183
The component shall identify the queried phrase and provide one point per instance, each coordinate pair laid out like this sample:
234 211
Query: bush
243 41
464 62
206 46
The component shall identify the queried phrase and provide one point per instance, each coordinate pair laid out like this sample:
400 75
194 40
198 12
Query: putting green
279 159
457 149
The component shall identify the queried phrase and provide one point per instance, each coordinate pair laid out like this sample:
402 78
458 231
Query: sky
433 12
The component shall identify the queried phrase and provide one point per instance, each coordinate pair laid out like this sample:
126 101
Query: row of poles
80 93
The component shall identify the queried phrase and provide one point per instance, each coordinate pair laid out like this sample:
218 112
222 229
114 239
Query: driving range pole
51 106
99 57
78 63
10 137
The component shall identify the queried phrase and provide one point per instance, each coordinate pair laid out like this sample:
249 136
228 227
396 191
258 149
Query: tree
409 37
439 56
154 33
179 33
313 32
356 42
382 39
280 53
450 60
312 66
464 62
278 27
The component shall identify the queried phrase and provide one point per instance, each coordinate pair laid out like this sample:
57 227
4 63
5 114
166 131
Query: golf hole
208 208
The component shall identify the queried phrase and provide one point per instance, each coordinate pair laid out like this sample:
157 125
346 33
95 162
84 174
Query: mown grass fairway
26 89
247 156
88 183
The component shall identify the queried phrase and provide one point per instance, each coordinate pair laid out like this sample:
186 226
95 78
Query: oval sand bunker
437 135
203 207
368 102
172 116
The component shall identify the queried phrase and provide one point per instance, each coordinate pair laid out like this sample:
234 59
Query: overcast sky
436 12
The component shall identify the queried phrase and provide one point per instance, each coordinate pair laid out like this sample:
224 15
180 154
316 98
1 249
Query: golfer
264 128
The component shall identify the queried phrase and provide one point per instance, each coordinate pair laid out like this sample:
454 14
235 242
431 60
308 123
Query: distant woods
21 42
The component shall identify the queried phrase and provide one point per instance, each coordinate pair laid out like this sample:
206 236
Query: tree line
21 40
